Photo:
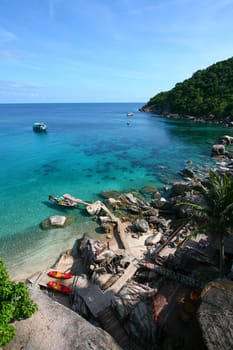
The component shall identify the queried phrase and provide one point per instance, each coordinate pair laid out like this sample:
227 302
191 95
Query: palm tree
217 209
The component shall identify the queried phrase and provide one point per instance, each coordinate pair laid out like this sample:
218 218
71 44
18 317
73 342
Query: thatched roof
215 315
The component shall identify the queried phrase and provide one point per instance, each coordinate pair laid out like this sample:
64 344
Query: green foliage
218 199
15 304
207 92
217 208
7 332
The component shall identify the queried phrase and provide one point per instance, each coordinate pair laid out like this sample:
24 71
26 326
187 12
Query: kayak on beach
60 274
59 287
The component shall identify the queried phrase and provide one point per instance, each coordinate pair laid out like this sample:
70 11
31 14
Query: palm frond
195 232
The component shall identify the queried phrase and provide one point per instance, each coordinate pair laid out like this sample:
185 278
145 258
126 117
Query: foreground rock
215 315
56 327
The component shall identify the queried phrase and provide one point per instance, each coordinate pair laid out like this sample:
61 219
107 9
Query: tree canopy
217 209
15 304
207 92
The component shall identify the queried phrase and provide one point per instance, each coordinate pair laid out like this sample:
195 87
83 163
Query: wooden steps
111 324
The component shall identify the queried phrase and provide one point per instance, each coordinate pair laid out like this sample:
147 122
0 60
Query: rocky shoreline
143 280
210 119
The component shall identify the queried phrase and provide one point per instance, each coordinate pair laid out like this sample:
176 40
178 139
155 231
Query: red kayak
59 287
59 274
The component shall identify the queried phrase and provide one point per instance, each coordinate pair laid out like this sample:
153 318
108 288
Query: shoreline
99 290
137 266
226 122
188 175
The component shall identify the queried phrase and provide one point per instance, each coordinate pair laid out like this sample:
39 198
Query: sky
107 50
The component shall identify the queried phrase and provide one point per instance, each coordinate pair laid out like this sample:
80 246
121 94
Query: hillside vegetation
207 94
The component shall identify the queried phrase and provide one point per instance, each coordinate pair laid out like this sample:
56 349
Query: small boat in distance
59 287
130 114
63 201
59 274
39 127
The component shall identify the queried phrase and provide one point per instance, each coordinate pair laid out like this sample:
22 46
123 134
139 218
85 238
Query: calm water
88 148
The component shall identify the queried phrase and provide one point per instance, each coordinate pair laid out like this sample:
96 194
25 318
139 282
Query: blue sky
107 50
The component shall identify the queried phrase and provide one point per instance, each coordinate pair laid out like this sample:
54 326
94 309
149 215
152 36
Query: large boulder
134 209
142 225
218 150
155 238
55 326
151 212
161 222
159 203
150 191
114 203
226 139
188 173
131 198
56 221
94 208
179 188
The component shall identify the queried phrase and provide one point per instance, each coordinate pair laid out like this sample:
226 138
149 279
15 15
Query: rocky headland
204 97
208 119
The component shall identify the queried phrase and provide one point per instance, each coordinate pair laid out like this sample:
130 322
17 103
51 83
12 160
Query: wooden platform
95 299
128 274
64 263
74 199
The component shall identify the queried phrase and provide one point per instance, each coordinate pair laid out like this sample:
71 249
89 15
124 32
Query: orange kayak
59 287
59 274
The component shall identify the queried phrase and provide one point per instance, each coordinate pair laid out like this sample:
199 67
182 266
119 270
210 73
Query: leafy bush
15 304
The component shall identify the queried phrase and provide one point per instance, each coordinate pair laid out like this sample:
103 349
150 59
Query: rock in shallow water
56 221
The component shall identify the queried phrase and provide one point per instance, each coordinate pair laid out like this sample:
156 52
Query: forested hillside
208 93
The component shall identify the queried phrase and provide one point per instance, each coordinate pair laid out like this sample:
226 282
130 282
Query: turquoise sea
88 148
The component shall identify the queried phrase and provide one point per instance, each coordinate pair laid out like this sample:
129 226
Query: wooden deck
128 274
120 227
95 299
74 199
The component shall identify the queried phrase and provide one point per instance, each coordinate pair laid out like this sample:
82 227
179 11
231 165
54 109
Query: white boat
39 127
130 114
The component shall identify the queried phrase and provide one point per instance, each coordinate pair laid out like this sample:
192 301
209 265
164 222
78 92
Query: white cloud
13 85
9 54
6 36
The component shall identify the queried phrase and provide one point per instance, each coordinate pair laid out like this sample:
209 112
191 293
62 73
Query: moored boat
39 127
63 201
59 287
130 114
59 274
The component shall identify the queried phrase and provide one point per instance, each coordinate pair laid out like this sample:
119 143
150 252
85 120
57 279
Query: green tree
15 304
207 92
217 209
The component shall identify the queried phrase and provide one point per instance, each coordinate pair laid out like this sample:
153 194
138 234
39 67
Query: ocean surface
89 148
